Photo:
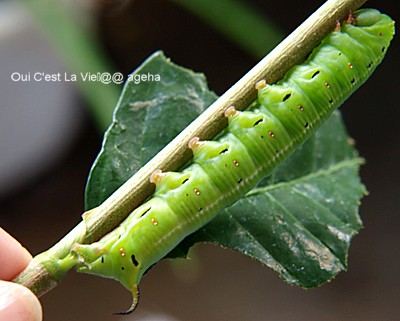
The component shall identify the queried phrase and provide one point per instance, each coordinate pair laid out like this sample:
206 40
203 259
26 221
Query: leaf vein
347 163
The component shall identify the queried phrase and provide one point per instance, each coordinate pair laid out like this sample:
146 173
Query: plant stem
48 268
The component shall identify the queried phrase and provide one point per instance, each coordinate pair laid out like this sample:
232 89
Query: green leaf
149 114
299 221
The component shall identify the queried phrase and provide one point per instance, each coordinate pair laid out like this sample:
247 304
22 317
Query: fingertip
13 255
17 303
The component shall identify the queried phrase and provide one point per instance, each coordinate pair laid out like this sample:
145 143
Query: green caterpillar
253 144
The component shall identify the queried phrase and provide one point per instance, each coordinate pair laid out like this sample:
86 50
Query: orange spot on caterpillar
154 221
122 251
235 162
350 65
196 191
327 85
301 108
271 134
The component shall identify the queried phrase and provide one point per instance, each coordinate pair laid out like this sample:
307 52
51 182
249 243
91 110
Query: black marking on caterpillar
134 261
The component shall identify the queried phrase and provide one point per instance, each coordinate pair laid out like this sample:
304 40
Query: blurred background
51 132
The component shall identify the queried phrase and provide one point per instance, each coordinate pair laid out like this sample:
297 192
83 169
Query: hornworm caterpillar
252 145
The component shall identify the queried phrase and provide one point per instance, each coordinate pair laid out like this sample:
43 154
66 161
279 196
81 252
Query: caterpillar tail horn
136 296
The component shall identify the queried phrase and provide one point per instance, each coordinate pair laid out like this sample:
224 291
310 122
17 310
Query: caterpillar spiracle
252 145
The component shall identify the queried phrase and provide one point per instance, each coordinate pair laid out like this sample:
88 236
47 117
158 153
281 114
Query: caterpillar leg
338 26
135 301
351 19
87 255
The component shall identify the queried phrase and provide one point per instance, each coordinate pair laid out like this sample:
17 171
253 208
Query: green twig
47 269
